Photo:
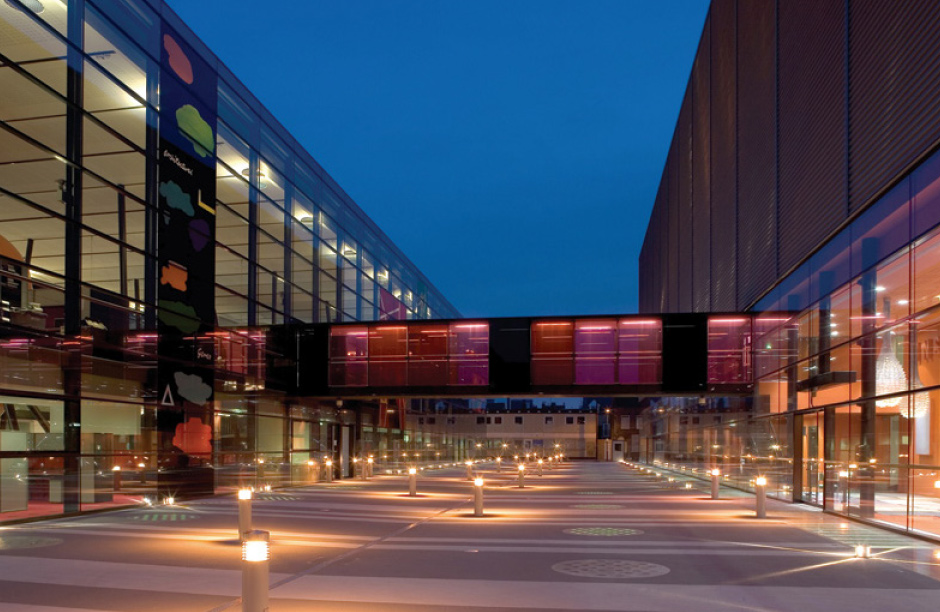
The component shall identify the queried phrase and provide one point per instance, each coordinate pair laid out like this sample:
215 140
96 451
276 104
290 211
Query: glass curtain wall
81 207
847 376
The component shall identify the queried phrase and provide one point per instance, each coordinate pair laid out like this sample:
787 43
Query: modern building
802 188
155 221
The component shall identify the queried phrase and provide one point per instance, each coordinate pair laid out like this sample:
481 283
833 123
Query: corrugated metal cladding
757 155
683 183
723 155
894 79
701 174
787 140
812 125
675 221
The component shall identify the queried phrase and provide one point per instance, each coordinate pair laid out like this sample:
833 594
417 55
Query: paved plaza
586 536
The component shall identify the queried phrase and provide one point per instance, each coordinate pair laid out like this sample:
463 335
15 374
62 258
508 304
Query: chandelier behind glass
920 401
890 376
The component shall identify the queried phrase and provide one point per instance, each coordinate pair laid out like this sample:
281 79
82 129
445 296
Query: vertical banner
186 260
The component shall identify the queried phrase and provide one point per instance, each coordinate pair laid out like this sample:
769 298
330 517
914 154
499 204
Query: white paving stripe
599 596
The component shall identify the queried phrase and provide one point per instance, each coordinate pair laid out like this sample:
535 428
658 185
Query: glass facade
847 381
155 219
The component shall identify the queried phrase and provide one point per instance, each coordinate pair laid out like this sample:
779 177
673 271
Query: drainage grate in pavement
597 507
14 542
153 517
594 493
610 568
609 532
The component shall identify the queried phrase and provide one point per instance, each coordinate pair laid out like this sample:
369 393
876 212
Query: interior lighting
760 481
890 376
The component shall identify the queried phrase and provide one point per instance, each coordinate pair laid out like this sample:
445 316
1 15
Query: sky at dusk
511 149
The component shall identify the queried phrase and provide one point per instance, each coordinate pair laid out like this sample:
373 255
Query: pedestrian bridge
626 355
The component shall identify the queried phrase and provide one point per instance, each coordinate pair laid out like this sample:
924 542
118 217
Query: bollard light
716 482
478 497
469 465
499 464
329 470
256 557
370 463
412 482
760 485
143 473
170 501
521 475
540 466
244 513
117 477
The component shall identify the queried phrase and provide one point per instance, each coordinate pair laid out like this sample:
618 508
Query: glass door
813 471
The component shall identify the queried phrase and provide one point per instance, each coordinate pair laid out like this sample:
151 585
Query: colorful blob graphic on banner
199 234
177 198
174 275
195 129
177 59
192 388
193 437
179 315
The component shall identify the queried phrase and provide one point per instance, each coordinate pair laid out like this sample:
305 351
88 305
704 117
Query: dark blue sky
512 148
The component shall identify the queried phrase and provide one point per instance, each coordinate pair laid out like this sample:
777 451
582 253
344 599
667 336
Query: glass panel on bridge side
553 353
427 355
640 347
595 347
469 351
729 343
349 354
388 350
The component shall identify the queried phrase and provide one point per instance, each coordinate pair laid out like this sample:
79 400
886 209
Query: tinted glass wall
153 217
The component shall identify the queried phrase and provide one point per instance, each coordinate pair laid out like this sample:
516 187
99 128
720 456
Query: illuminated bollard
244 513
469 470
312 471
760 488
370 463
521 475
358 472
413 482
256 557
540 467
329 470
499 465
117 478
716 482
143 473
478 497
